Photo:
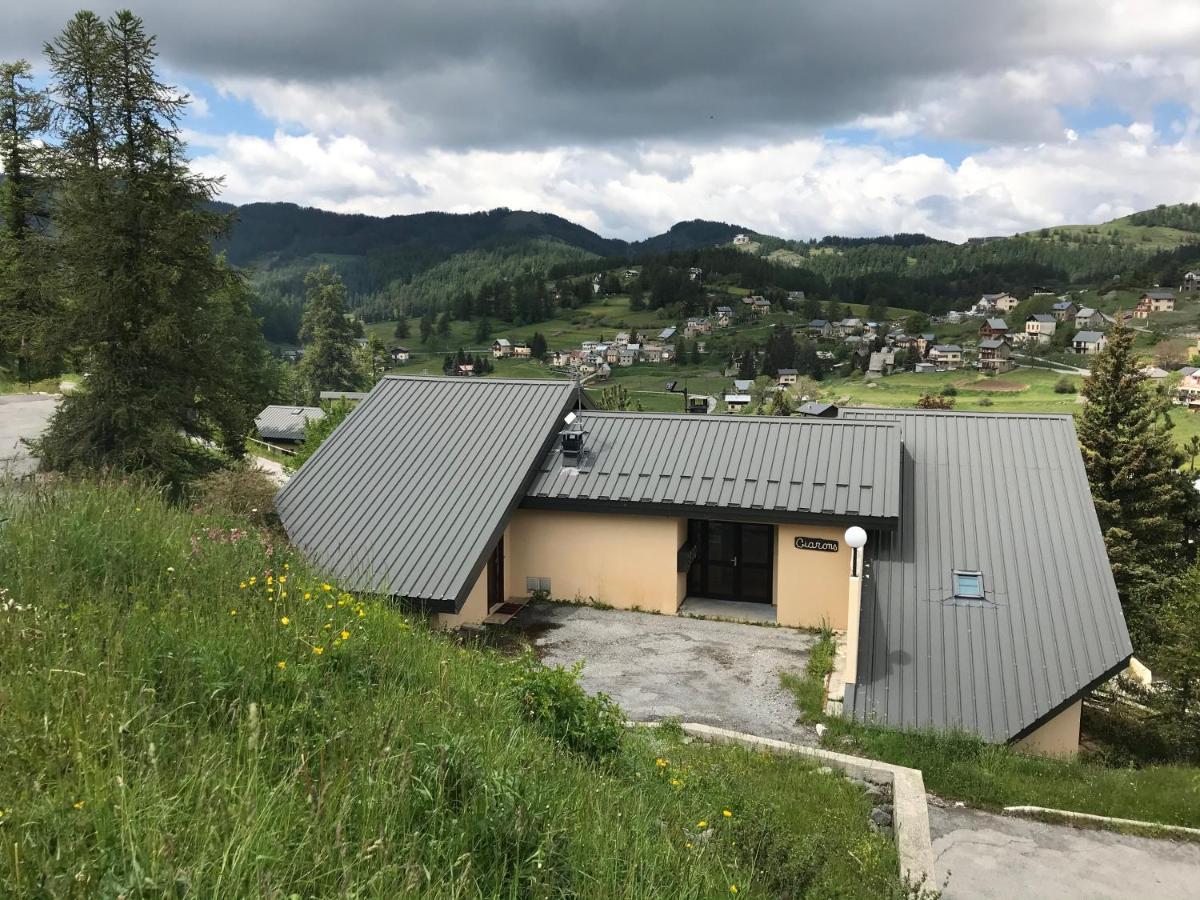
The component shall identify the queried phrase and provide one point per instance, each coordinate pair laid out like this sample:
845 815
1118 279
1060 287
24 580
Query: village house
788 377
1088 343
724 316
849 326
924 342
612 354
697 325
611 506
667 333
1154 302
400 354
740 240
1191 283
761 306
881 363
565 358
995 355
795 296
1091 319
521 351
695 274
737 402
994 303
1189 389
993 328
465 369
285 424
1064 310
946 356
822 329
1040 327
502 348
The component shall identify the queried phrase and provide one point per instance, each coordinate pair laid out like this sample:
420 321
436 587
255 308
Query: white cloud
800 188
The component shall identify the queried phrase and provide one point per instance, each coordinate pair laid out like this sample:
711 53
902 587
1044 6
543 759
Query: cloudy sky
952 117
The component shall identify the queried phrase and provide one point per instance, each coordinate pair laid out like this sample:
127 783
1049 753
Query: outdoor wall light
856 539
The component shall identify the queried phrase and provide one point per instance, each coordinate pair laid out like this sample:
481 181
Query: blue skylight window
968 585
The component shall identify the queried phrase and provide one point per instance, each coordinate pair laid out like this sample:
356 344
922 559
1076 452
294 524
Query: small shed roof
285 423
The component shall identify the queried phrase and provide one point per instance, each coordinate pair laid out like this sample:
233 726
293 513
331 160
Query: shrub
933 401
949 391
986 401
243 492
552 697
1064 385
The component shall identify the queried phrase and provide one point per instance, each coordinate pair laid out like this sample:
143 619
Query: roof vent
571 442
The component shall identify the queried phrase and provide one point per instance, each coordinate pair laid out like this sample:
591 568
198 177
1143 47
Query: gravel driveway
991 857
656 667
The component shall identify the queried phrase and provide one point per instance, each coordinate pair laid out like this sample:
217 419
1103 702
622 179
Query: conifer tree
24 118
164 327
328 363
1132 464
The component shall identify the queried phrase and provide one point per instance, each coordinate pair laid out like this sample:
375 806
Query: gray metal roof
285 423
992 343
1089 337
773 467
997 324
411 492
1005 495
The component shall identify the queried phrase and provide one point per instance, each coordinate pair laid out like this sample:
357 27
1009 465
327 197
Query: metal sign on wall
810 543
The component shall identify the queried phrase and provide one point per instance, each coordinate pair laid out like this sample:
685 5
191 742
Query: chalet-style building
1091 319
1064 310
724 316
995 355
502 348
924 343
1191 283
788 377
400 354
992 328
1040 327
857 526
1088 343
822 329
1154 302
946 356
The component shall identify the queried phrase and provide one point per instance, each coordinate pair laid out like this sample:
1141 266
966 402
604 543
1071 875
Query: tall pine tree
173 355
1132 465
26 345
328 363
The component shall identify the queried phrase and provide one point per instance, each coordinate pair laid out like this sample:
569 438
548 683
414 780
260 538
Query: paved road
991 857
655 667
21 416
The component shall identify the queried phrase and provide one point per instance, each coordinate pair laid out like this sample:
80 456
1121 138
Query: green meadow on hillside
188 709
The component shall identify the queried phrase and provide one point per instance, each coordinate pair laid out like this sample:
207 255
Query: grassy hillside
189 710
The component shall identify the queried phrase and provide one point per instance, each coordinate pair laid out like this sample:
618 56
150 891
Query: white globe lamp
856 539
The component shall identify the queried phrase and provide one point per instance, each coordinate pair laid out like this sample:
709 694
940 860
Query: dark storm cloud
530 72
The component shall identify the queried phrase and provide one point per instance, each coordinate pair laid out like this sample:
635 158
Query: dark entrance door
733 561
495 576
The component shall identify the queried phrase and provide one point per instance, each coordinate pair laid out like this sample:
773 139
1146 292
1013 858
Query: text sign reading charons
822 544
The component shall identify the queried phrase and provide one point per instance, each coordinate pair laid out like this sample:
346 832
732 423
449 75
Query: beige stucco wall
474 610
811 586
624 561
1058 737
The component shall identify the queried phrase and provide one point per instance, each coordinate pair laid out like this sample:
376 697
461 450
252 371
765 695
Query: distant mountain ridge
279 232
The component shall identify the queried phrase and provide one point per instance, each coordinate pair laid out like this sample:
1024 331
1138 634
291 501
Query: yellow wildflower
328 626
702 824
285 621
733 889
254 579
326 586
727 814
662 763
286 566
283 579
270 579
308 595
282 664
242 585
345 635
329 606
362 613
233 612
283 593
318 650
78 804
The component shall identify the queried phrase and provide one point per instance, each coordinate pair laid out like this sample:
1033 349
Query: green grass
43 385
152 743
1026 389
960 766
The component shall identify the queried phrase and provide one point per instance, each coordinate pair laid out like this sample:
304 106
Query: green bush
552 697
986 401
242 491
949 391
1064 385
